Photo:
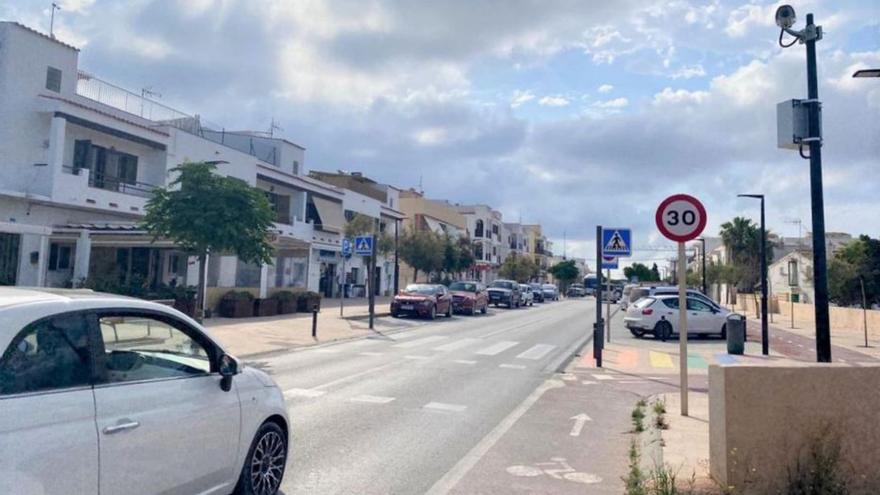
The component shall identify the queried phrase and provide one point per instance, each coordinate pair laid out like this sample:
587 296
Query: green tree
519 268
643 273
360 224
423 250
742 239
466 258
566 272
856 264
203 212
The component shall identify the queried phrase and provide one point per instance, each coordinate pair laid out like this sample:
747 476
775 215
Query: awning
330 213
434 225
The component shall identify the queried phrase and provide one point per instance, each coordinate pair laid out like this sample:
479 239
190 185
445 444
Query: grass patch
638 419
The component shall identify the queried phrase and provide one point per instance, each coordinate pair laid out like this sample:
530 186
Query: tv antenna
273 126
797 221
55 7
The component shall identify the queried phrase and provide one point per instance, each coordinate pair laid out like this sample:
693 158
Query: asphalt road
418 410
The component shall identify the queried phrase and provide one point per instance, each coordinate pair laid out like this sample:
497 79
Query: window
173 263
53 79
671 302
478 230
52 353
148 348
296 167
696 305
59 257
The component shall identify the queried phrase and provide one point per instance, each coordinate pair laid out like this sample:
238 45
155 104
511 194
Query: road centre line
466 463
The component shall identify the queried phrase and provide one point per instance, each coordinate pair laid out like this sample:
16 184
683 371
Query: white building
485 228
79 158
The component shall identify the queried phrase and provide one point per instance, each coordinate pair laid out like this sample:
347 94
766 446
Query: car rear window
644 302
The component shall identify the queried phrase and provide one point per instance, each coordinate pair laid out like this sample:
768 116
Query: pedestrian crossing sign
616 242
363 245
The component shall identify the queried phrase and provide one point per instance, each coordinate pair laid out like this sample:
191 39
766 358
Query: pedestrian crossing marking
372 353
603 377
458 344
512 366
303 392
464 361
372 399
416 358
661 360
537 351
422 341
725 359
696 361
628 358
440 406
497 348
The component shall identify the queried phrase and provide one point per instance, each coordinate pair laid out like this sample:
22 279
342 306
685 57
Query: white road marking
579 421
464 361
417 358
372 399
303 392
633 381
569 377
466 463
458 344
497 348
328 351
422 341
356 375
512 366
603 377
588 382
372 353
440 406
537 351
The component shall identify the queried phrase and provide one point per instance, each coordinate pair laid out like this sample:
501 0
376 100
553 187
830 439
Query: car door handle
120 427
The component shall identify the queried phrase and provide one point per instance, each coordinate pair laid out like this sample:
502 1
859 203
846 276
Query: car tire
485 309
395 314
663 330
449 311
724 332
433 314
271 441
637 333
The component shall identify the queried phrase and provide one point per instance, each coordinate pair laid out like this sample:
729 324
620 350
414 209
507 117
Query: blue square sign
346 247
616 242
363 245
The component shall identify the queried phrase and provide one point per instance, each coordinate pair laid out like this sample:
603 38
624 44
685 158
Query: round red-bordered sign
681 218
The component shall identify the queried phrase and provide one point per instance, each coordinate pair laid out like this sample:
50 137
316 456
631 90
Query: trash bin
736 333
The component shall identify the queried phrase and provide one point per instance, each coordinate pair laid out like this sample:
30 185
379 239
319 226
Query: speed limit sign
681 218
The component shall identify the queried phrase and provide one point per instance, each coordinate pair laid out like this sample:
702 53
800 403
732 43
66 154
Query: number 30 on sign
681 218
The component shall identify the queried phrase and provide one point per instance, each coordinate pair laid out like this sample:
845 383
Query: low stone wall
842 319
763 420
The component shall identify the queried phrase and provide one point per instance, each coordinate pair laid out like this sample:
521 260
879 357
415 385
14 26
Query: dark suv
505 292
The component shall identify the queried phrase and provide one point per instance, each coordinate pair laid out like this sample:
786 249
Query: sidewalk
248 336
851 340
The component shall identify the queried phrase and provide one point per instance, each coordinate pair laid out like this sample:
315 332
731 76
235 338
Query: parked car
100 393
537 292
624 297
658 315
528 297
673 290
469 297
551 292
505 292
576 290
422 300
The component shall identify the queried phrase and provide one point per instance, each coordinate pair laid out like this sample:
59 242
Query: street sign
363 245
681 218
609 262
346 248
616 242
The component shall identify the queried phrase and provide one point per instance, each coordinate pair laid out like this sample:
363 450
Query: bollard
315 321
736 333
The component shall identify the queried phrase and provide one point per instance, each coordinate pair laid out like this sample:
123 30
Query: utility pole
396 256
703 251
598 341
55 7
765 334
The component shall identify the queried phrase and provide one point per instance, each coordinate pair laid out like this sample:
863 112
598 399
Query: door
48 442
701 317
9 252
165 425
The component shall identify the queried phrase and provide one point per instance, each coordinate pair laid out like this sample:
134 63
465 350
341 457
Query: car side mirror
228 369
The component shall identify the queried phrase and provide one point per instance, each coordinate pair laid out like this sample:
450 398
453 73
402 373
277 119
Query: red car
469 297
424 300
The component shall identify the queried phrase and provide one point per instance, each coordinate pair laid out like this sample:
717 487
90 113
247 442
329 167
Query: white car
528 297
551 292
112 395
658 315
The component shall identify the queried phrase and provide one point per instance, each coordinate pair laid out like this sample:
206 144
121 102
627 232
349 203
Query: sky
570 113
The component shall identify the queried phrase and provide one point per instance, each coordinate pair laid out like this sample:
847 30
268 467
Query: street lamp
703 242
811 136
765 343
867 73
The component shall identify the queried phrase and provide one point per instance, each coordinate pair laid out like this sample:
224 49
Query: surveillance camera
785 17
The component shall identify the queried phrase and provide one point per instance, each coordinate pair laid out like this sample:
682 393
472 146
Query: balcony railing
115 184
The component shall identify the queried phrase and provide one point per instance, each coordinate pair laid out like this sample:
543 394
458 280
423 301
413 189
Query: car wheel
724 331
485 309
264 465
663 330
433 314
449 311
395 314
637 333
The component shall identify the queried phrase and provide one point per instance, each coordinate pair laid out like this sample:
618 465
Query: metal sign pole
597 327
682 327
608 304
342 287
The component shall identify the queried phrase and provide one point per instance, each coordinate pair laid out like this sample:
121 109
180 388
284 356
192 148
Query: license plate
407 307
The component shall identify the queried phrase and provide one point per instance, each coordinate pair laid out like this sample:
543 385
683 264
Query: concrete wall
763 418
842 319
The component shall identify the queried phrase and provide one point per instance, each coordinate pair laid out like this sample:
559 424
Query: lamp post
765 343
703 242
396 256
867 73
812 138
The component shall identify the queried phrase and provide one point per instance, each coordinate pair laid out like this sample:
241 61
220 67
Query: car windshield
421 289
463 286
500 284
549 286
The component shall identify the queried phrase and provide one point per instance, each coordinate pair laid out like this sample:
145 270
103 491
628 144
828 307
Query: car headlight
427 302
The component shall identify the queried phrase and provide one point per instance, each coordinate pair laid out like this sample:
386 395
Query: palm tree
742 239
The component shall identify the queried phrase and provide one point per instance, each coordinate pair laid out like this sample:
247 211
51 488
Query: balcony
112 183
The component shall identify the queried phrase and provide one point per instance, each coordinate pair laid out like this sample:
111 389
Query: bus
590 282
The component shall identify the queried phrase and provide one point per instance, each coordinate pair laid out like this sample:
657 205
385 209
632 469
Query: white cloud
615 103
677 97
553 101
688 72
521 97
606 88
430 136
743 18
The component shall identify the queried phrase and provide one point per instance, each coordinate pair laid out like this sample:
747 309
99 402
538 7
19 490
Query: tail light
647 311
